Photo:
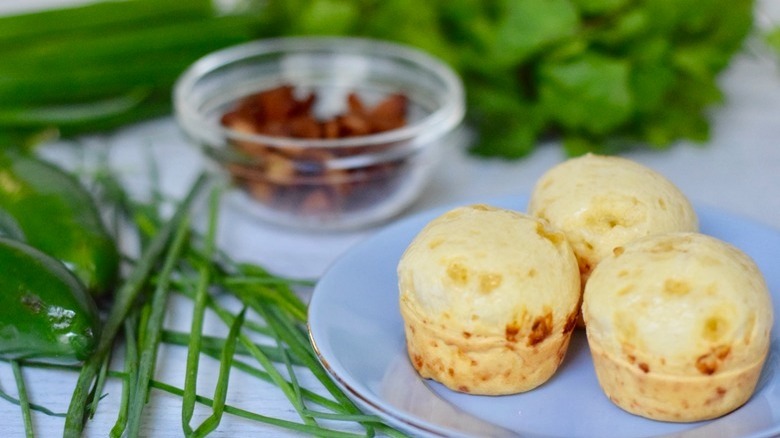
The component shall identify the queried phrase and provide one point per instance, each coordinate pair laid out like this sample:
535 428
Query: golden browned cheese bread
678 325
601 202
489 299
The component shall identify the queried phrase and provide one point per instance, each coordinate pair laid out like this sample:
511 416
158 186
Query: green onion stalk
174 257
96 67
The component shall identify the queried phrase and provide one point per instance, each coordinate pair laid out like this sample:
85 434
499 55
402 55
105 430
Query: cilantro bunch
601 75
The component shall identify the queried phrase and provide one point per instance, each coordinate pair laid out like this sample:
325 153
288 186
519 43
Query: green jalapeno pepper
50 210
45 311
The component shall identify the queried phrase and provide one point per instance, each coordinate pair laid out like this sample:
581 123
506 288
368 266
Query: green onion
123 300
96 17
198 312
71 114
32 406
139 43
24 84
194 267
358 418
289 425
128 383
143 325
312 430
295 385
211 344
265 362
99 385
220 392
24 402
281 294
266 280
100 66
303 350
154 329
310 395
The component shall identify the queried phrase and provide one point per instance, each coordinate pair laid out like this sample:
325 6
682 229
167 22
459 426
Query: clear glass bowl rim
443 119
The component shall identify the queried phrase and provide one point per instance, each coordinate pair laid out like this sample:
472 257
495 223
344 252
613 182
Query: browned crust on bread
639 390
486 365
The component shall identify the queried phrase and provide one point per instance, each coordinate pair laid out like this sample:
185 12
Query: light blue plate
356 328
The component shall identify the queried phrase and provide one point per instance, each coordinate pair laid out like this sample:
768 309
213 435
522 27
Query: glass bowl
342 175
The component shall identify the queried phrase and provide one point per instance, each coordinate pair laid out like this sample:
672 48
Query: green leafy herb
602 75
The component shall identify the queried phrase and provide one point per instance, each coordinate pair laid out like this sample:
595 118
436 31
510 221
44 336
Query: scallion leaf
129 382
33 406
220 391
123 301
312 430
24 402
198 312
71 114
154 330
